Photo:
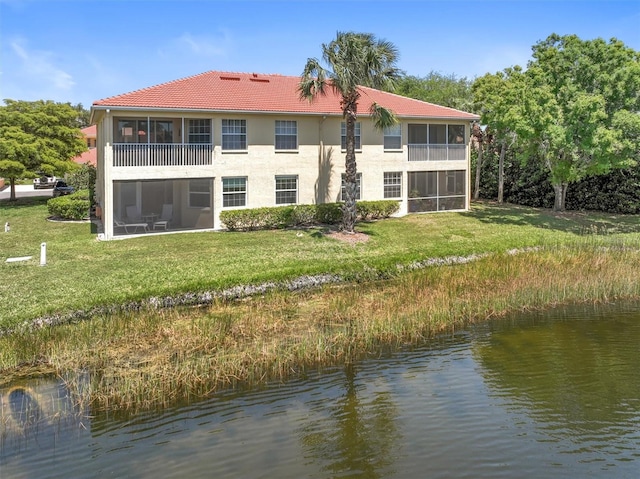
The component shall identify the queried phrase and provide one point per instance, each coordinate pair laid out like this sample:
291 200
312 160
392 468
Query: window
286 190
456 134
286 135
393 137
358 187
200 193
393 184
199 132
234 134
234 192
343 133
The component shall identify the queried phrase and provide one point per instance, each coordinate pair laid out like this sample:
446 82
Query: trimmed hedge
70 207
302 215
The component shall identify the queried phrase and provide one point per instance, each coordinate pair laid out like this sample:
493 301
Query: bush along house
171 157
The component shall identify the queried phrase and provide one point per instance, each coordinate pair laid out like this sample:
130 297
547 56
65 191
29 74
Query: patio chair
133 214
165 217
135 226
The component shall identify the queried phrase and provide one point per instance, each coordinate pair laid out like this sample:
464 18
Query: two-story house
171 157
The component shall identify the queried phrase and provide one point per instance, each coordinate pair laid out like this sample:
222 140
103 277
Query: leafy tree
38 137
444 90
497 98
84 115
354 60
580 108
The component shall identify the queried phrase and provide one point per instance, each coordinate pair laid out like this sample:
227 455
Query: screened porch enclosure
437 191
162 142
436 142
149 206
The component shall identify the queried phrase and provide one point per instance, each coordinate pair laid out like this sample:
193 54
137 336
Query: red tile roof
89 131
252 92
90 156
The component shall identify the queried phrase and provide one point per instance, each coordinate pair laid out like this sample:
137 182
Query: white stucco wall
318 162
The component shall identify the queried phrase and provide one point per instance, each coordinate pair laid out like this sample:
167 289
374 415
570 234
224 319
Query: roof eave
265 112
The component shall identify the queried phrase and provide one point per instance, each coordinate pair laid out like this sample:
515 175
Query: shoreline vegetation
151 357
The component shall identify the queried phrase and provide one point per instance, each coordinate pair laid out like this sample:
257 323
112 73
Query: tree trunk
476 193
560 195
503 148
349 211
12 195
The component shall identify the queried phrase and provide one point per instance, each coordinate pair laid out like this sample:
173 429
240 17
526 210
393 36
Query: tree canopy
575 108
353 60
444 90
38 137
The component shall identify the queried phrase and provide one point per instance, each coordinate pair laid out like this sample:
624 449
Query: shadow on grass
26 202
576 222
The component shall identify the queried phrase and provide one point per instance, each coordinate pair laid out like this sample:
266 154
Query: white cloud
190 47
203 45
37 68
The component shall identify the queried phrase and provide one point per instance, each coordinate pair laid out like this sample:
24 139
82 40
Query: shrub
257 218
84 178
373 210
71 207
302 215
328 213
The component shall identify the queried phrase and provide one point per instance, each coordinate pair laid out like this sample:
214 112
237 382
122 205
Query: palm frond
382 117
313 80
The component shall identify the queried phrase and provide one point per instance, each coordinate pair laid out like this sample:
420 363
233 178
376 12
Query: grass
82 273
162 357
143 360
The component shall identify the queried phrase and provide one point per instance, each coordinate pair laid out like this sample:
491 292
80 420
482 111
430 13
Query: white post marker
43 254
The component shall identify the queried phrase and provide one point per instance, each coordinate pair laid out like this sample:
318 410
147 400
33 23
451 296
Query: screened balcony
161 142
437 143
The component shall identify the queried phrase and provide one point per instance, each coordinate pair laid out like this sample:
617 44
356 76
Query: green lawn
82 272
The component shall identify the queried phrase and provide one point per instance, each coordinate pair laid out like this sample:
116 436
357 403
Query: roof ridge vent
223 77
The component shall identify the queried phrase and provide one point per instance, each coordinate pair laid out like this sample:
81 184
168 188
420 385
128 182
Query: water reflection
358 435
577 375
545 395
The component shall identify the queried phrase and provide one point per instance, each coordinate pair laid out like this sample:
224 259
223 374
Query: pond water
553 394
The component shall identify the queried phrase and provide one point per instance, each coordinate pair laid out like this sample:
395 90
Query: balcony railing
128 154
424 152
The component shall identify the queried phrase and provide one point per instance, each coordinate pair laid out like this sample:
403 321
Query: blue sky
80 51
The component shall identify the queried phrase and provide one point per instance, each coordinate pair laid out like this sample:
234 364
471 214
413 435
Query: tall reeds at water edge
154 359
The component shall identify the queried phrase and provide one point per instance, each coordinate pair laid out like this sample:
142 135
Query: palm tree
355 60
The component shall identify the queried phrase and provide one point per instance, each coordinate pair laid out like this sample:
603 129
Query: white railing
128 154
424 152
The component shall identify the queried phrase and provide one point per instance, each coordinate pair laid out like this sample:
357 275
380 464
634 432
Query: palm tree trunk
349 211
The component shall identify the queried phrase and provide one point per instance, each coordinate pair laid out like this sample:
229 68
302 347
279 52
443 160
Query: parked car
62 189
44 181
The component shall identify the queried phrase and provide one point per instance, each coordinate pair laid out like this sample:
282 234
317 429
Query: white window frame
199 128
227 194
393 132
286 190
286 129
234 131
357 132
392 179
358 186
